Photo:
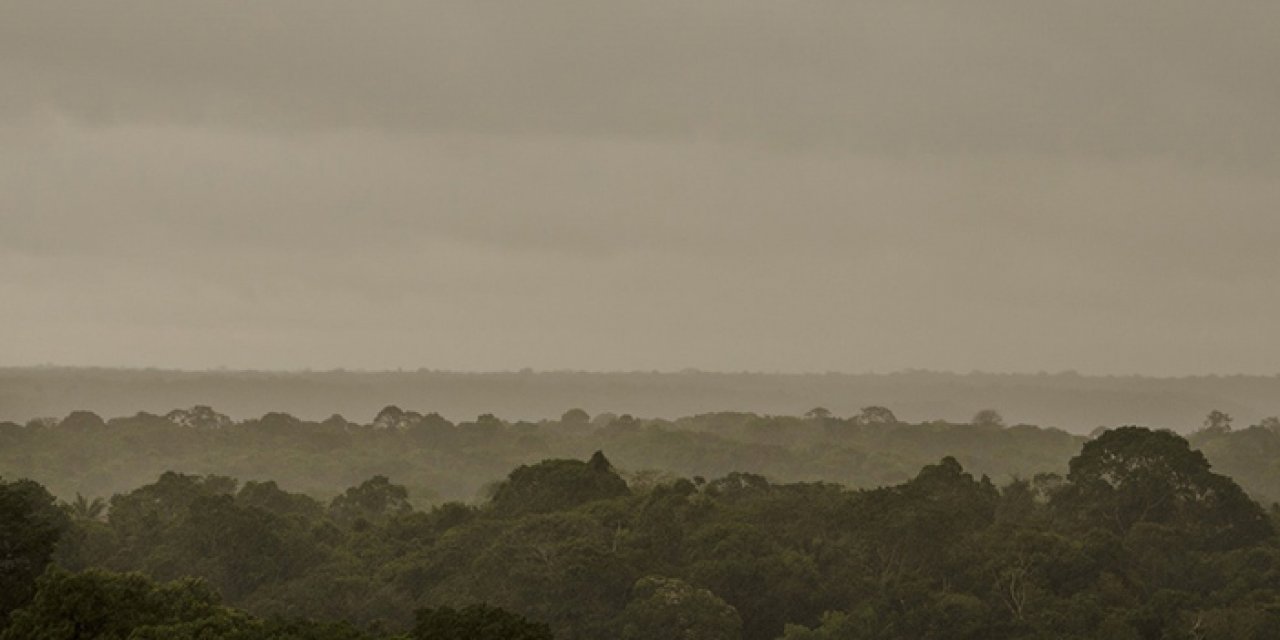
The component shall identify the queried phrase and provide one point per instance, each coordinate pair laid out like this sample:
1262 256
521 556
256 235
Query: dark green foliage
671 609
375 500
82 421
83 508
1134 475
30 525
141 516
476 622
235 625
988 418
553 485
198 417
876 415
236 548
1140 539
96 605
575 417
269 497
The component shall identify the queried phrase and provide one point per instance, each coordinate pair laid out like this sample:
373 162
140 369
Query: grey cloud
1184 79
745 185
190 247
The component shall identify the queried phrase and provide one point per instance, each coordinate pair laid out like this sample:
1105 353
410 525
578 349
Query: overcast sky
727 185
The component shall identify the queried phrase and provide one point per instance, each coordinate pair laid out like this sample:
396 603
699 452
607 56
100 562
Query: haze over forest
1068 401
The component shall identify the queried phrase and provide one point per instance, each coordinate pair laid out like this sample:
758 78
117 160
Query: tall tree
97 604
1132 475
1218 421
671 609
84 509
876 415
558 484
30 526
988 418
374 500
476 622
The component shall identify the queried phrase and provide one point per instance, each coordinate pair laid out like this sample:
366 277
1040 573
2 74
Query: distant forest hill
1075 403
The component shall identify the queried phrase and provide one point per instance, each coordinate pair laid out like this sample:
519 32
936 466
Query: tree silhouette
988 418
876 415
476 622
1217 422
30 525
84 509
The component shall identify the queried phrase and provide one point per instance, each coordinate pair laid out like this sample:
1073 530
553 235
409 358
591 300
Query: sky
723 185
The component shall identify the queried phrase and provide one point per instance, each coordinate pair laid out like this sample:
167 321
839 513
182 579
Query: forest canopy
1140 537
439 460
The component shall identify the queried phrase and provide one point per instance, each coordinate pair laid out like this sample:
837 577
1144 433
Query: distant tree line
1139 538
438 460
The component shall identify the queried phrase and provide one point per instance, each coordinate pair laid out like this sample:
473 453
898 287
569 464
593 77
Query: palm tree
85 509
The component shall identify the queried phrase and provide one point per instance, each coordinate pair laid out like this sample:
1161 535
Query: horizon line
685 371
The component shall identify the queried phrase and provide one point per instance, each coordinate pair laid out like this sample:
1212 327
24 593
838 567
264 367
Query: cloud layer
776 186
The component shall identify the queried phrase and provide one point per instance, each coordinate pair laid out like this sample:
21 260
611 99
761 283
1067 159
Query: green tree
269 497
476 622
376 499
97 605
768 583
835 625
552 485
1218 422
562 568
818 414
82 421
84 509
876 415
1133 474
30 526
575 417
393 417
198 417
988 418
670 609
144 518
236 548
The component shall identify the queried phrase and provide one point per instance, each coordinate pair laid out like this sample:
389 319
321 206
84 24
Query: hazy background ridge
1073 402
